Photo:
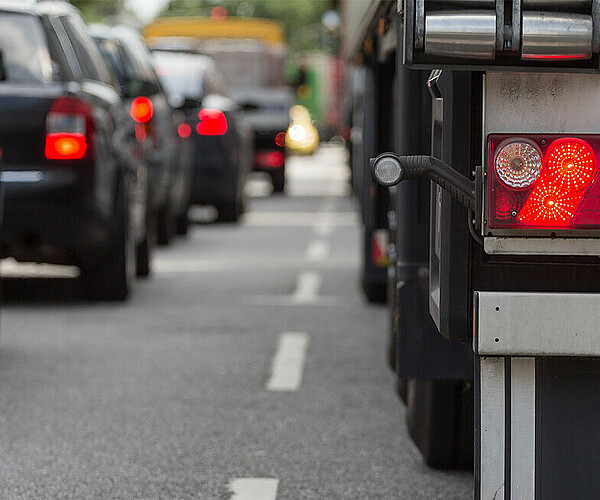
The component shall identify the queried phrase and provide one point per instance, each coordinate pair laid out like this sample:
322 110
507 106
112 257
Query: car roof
119 32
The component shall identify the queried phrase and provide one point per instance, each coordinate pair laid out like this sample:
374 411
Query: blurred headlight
297 133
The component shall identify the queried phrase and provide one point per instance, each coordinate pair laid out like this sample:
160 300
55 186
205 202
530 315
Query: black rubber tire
278 180
183 224
229 212
142 259
165 225
440 421
375 292
111 278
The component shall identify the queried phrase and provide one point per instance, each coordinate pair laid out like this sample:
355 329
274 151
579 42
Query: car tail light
141 109
543 182
184 130
212 122
269 159
280 139
69 126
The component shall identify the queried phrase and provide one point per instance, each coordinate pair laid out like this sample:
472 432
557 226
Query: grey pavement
164 396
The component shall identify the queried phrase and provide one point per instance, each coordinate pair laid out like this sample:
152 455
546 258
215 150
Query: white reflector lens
388 171
518 164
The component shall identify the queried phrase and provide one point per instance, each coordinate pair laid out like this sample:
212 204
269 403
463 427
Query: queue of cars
102 158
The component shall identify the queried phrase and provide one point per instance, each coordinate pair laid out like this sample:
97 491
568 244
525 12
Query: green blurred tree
97 10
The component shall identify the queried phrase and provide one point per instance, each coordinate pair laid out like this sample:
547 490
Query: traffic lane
165 396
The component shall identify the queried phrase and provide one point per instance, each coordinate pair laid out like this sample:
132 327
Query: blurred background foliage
97 10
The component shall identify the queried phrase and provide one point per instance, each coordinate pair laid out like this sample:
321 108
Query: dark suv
75 193
167 154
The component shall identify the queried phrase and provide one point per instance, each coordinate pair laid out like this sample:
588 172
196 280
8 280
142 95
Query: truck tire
375 292
111 278
229 212
440 421
183 224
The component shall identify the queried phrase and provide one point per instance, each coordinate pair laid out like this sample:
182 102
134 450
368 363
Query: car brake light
545 182
212 122
69 125
184 130
141 109
280 139
269 159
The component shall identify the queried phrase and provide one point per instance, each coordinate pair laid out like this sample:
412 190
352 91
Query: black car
75 193
221 136
167 154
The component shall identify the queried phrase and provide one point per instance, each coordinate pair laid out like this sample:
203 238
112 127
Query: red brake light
184 130
141 109
280 139
212 122
65 146
550 182
269 159
69 126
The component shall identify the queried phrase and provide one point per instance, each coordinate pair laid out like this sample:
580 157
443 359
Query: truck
477 120
251 53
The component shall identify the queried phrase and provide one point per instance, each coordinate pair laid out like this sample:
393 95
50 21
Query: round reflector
570 163
518 164
387 170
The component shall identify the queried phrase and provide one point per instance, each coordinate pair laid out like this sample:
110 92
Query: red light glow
212 122
141 109
184 130
269 159
570 164
280 139
65 146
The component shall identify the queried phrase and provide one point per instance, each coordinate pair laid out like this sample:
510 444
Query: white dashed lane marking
253 488
288 363
307 287
317 250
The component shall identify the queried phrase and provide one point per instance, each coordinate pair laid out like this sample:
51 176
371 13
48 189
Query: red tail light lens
212 122
69 125
184 130
65 146
269 159
545 182
280 139
141 109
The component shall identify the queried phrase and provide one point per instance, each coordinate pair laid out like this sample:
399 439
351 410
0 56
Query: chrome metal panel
557 4
493 439
522 428
548 35
469 33
537 324
541 246
543 103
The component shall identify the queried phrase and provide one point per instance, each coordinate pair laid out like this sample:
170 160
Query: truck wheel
440 421
111 278
278 180
375 292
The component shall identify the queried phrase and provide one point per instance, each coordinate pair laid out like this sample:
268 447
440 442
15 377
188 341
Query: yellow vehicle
251 53
246 28
302 137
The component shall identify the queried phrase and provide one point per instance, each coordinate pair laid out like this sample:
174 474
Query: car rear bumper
56 219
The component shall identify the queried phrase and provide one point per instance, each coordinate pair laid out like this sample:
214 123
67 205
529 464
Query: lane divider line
288 363
307 287
253 488
317 250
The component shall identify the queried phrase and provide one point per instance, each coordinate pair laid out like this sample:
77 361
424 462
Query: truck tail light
544 182
69 126
141 109
212 122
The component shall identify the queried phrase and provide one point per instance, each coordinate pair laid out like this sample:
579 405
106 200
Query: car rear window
24 48
179 75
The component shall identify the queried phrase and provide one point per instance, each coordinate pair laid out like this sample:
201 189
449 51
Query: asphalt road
249 354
